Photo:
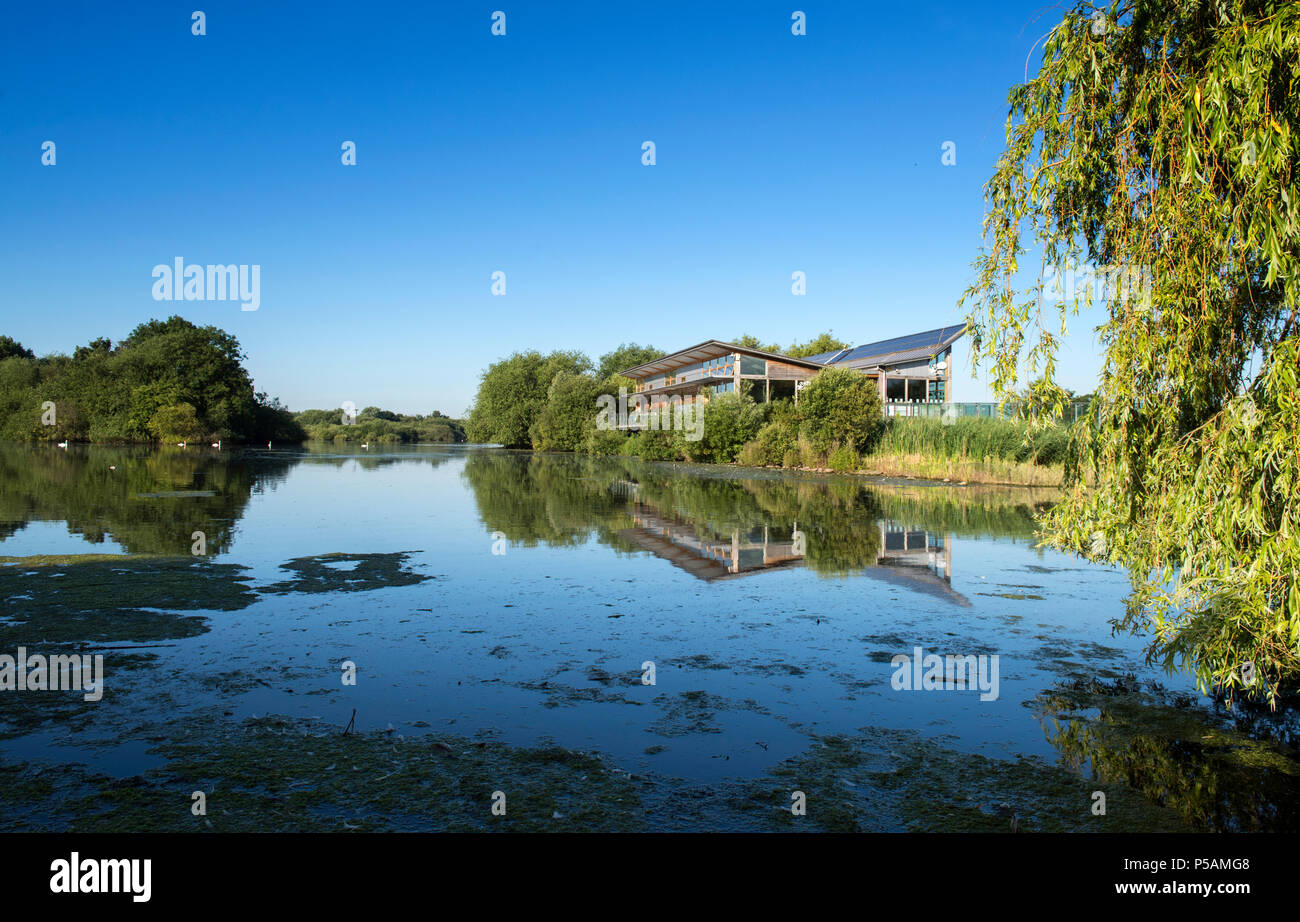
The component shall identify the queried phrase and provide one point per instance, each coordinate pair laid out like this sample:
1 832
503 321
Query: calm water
520 597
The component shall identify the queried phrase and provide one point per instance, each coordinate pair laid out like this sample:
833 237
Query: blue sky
519 153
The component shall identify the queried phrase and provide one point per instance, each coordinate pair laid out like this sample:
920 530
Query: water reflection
362 552
1220 777
725 523
732 522
148 500
910 556
710 557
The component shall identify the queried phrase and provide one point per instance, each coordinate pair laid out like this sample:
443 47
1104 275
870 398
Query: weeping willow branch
1157 143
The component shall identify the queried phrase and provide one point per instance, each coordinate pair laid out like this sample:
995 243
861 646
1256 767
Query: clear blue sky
521 153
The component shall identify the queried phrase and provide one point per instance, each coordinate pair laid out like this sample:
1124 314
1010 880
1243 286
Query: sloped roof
709 349
894 351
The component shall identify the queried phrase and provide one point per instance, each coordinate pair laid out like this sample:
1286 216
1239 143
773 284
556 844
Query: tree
826 342
753 342
166 362
10 348
568 414
106 394
513 391
628 355
1157 141
377 413
1041 398
101 347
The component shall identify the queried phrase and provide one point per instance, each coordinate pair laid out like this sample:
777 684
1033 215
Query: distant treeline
169 381
375 425
172 381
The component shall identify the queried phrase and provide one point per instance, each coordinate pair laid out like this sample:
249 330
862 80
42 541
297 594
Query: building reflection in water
910 557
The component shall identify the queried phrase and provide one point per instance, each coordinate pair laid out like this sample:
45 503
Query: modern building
915 369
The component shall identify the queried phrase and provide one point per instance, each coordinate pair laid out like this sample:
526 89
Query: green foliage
1164 145
374 425
176 422
730 421
841 407
826 342
653 445
604 442
628 355
512 393
108 394
568 415
753 342
844 459
10 348
775 441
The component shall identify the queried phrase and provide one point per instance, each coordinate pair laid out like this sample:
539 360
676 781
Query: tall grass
971 449
970 438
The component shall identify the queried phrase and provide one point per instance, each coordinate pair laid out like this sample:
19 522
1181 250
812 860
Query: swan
63 444
216 444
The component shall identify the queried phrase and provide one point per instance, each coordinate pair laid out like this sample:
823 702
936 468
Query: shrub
774 441
178 422
602 442
729 422
844 459
751 454
809 456
840 406
653 445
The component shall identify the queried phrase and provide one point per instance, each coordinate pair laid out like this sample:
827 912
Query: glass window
750 365
937 391
895 389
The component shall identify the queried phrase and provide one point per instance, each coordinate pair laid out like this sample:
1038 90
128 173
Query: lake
606 643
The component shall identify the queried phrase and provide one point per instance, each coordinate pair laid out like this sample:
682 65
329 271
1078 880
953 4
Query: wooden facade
908 369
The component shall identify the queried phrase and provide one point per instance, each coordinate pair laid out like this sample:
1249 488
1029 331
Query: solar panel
930 339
